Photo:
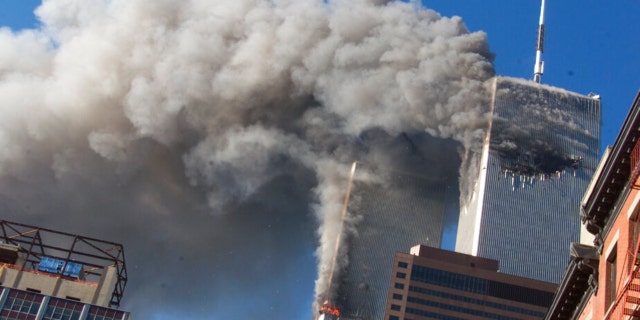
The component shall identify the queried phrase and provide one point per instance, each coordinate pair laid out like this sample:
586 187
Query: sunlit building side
430 283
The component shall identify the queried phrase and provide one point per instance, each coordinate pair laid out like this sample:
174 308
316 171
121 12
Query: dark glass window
62 309
610 281
403 265
455 308
398 286
397 296
401 275
479 302
395 307
482 286
100 313
21 305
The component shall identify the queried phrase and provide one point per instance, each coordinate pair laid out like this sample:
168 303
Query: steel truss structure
93 254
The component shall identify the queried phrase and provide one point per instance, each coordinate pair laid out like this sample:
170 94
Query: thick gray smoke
214 138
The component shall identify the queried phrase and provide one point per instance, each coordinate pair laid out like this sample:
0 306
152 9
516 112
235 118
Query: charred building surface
386 210
538 158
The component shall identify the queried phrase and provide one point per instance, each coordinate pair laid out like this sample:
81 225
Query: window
398 286
403 265
100 313
21 305
397 296
395 307
401 275
62 309
633 239
610 285
393 318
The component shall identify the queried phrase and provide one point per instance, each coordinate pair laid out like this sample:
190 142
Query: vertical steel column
43 307
3 297
85 311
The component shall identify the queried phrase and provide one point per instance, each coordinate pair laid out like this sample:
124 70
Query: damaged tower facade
47 274
537 160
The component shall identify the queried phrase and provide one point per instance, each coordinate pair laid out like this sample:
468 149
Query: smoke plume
214 138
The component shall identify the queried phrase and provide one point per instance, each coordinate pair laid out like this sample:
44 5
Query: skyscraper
431 283
389 212
538 158
50 275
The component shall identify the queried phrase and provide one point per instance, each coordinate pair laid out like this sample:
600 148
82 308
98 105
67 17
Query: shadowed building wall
388 211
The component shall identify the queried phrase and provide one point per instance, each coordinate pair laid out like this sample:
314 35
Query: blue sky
590 46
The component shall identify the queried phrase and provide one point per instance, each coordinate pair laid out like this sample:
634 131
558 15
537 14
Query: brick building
611 289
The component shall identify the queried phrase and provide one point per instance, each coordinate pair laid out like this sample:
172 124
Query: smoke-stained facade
386 211
538 158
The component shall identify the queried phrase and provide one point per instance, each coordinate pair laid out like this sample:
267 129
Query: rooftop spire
538 69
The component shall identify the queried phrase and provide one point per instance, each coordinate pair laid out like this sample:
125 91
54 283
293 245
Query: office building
430 283
52 275
388 212
538 158
609 286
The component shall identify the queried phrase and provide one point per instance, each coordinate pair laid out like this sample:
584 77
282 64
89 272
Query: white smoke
135 120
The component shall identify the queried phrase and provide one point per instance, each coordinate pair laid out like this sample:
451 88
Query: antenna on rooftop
538 69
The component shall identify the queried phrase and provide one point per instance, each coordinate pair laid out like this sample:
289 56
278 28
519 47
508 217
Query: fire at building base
329 312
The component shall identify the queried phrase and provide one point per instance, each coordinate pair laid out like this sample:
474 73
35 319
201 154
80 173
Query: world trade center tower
390 210
537 160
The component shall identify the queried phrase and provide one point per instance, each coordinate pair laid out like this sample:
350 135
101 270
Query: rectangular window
62 309
100 313
403 265
397 296
398 286
633 240
393 318
21 305
610 285
401 275
395 307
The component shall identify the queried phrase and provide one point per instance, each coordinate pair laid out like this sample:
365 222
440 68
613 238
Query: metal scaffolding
35 243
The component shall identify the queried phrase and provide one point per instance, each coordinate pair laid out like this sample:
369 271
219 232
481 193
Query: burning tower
386 211
538 158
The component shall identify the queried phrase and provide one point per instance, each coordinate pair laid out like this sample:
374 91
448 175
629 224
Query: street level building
538 157
52 275
605 284
431 283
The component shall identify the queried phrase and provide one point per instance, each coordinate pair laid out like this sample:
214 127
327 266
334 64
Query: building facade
47 274
431 283
388 212
611 289
538 158
29 305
